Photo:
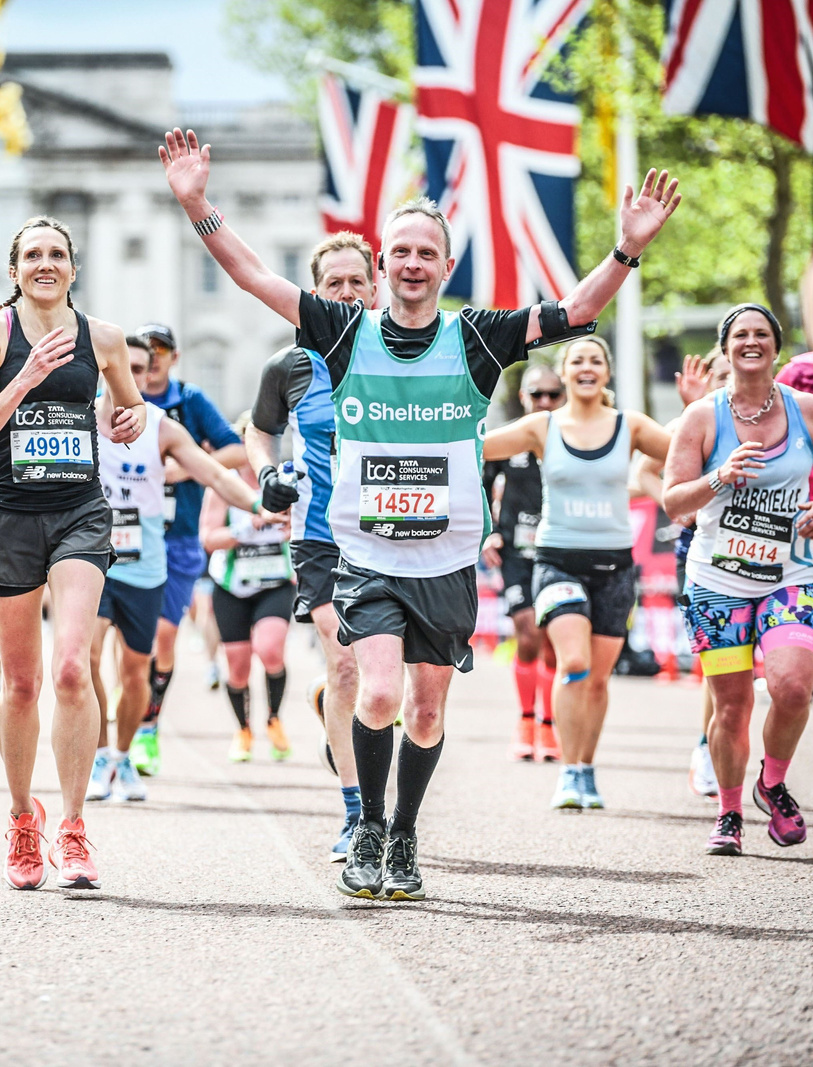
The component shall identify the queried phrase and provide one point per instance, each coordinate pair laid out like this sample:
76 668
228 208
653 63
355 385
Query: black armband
555 327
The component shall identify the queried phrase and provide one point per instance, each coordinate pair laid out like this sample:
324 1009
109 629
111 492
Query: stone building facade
97 120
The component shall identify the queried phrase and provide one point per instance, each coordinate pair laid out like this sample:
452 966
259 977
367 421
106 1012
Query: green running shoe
144 751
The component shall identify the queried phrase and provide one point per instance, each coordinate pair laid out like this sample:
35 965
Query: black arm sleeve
284 381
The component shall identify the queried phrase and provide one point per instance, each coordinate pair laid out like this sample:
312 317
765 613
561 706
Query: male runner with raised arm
411 387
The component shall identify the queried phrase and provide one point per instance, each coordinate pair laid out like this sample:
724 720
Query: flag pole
356 75
629 343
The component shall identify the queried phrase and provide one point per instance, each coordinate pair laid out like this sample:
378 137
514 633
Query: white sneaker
213 676
100 778
568 789
127 785
702 779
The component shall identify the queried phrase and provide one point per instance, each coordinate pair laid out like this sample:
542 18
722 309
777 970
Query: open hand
693 382
642 220
51 351
186 165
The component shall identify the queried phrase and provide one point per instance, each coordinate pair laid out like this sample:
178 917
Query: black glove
277 496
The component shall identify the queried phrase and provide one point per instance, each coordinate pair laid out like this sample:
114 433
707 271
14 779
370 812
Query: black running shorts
517 573
32 542
314 563
598 585
434 616
236 615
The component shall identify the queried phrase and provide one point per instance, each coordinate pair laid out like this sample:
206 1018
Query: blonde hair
607 395
337 242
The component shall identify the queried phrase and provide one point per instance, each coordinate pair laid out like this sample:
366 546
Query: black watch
628 261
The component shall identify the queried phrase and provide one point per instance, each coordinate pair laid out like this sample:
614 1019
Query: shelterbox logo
353 412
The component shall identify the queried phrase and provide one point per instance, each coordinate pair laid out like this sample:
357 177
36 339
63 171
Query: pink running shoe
522 747
24 867
787 827
726 837
69 854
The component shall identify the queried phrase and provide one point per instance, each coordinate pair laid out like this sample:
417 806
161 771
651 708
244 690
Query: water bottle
287 473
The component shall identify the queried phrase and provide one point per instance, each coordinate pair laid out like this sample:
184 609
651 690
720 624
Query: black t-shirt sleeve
329 328
494 340
284 381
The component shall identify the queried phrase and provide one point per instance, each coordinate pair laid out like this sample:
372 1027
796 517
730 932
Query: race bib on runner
525 534
404 497
261 565
52 442
126 535
169 505
752 544
555 595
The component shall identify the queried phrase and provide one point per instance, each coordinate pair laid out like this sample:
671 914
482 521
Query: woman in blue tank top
584 581
54 527
741 459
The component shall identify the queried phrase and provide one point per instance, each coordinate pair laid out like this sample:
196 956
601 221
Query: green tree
278 34
744 229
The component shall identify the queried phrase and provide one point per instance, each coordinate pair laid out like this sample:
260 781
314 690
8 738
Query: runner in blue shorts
741 458
192 408
133 595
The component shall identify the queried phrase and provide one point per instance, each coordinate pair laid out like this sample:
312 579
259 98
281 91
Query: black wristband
628 261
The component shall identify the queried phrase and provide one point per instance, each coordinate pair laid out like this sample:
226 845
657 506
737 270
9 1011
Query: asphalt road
559 938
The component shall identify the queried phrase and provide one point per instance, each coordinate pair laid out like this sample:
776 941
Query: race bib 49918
51 442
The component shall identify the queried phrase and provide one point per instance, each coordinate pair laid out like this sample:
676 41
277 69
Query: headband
728 321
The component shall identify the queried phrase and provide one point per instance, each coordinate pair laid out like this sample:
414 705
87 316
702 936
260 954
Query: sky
191 31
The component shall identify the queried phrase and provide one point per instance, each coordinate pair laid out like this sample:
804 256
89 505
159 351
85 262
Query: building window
134 248
74 210
290 265
209 275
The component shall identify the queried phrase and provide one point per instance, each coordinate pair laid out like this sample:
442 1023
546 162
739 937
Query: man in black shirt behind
409 624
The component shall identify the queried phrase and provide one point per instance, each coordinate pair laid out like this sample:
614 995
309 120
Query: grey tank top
586 502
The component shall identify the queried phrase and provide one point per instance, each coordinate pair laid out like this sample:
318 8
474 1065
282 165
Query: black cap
154 331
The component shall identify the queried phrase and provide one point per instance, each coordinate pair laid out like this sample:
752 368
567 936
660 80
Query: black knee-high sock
241 702
274 687
159 680
416 766
373 752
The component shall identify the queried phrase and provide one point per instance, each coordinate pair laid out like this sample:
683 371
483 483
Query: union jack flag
500 144
366 144
751 58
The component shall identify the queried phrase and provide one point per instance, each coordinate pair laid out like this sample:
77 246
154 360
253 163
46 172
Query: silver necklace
753 419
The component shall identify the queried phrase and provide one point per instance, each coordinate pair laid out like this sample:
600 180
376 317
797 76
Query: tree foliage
744 228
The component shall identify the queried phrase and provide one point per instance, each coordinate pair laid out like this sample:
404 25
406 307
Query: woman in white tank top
584 584
741 459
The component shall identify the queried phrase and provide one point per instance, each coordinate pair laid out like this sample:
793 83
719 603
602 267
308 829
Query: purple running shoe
725 838
787 827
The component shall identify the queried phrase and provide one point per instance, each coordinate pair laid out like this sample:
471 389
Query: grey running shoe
402 878
362 874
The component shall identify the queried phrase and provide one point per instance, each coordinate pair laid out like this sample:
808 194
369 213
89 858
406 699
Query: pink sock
525 677
731 800
545 678
774 771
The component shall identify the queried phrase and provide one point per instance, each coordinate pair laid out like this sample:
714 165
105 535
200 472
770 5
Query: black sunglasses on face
551 394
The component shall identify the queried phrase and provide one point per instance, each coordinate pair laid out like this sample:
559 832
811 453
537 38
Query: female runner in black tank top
54 527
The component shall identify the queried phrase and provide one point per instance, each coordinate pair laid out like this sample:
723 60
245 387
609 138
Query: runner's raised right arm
187 169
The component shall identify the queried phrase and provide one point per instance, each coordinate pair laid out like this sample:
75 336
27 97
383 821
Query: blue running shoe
591 798
104 768
338 854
